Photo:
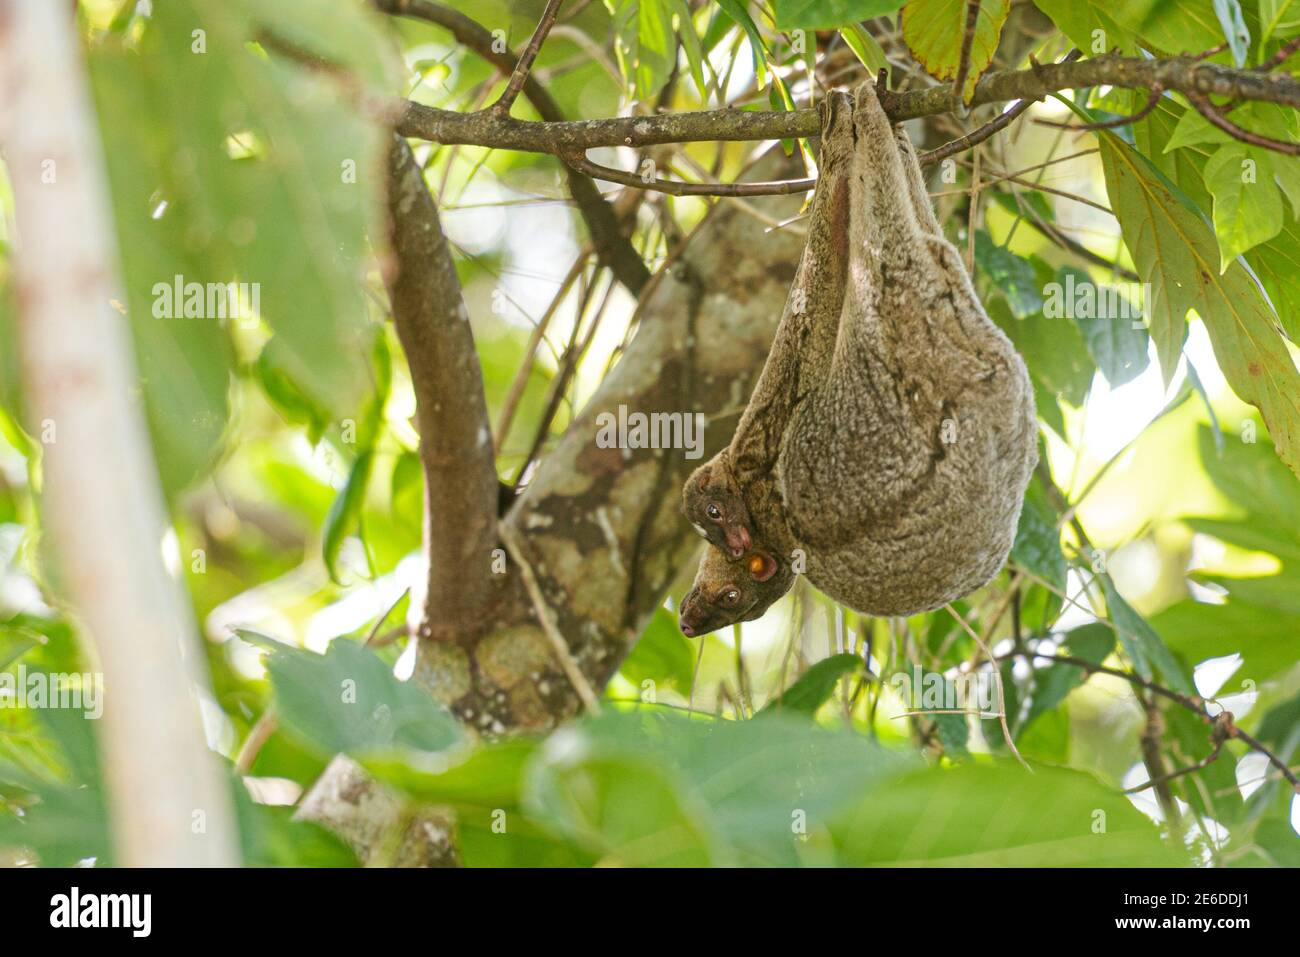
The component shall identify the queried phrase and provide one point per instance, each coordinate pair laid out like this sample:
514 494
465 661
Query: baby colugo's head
725 592
713 503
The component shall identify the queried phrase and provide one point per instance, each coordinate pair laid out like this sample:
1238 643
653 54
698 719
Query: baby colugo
891 434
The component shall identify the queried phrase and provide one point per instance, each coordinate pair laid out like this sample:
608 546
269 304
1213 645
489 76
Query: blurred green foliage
1161 536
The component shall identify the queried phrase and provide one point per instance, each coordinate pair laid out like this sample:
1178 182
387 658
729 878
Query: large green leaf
1275 262
816 685
829 14
1146 651
934 32
726 791
1259 617
269 177
1175 252
1247 207
1168 26
347 700
662 653
1117 342
1280 17
1012 275
999 815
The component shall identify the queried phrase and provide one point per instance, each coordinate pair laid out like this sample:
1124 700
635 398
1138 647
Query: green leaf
271 837
1174 250
622 807
934 30
865 48
829 14
736 10
685 29
815 686
1277 16
1143 646
293 406
1247 208
347 700
490 776
270 179
999 815
654 49
1090 24
1013 275
1037 546
1286 170
1055 353
16 642
729 791
345 514
1117 339
662 653
1051 685
1280 841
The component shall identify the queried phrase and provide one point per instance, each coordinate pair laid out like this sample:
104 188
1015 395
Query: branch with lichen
567 140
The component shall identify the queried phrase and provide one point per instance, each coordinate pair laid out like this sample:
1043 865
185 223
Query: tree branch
460 495
608 235
578 161
1187 75
520 73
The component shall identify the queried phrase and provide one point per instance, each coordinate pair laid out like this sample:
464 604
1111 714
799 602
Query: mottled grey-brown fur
891 435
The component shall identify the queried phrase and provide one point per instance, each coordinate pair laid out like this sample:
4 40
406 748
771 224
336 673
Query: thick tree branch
1181 74
600 526
455 439
608 236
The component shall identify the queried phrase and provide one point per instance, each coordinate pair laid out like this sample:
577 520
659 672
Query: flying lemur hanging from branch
890 437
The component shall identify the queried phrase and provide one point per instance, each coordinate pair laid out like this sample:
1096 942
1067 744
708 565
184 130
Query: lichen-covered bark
600 526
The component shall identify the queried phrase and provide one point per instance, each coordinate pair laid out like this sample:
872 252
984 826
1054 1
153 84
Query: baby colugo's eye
731 596
713 512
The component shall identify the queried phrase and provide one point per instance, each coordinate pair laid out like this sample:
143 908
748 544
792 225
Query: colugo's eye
731 596
713 512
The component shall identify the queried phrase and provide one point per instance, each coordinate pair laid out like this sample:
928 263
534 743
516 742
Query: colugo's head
713 503
726 592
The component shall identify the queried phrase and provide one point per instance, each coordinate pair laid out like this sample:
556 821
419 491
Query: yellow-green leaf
933 31
1174 250
1247 207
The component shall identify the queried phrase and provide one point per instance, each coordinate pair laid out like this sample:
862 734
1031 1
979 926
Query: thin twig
520 75
374 629
967 41
1178 74
997 682
605 226
258 735
976 136
1153 100
1196 705
1281 56
547 621
580 163
1211 112
520 381
1200 765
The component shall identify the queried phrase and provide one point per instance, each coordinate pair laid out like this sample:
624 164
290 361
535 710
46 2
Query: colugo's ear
702 477
762 566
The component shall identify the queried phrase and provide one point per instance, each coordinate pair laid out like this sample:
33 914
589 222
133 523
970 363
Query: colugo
891 433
